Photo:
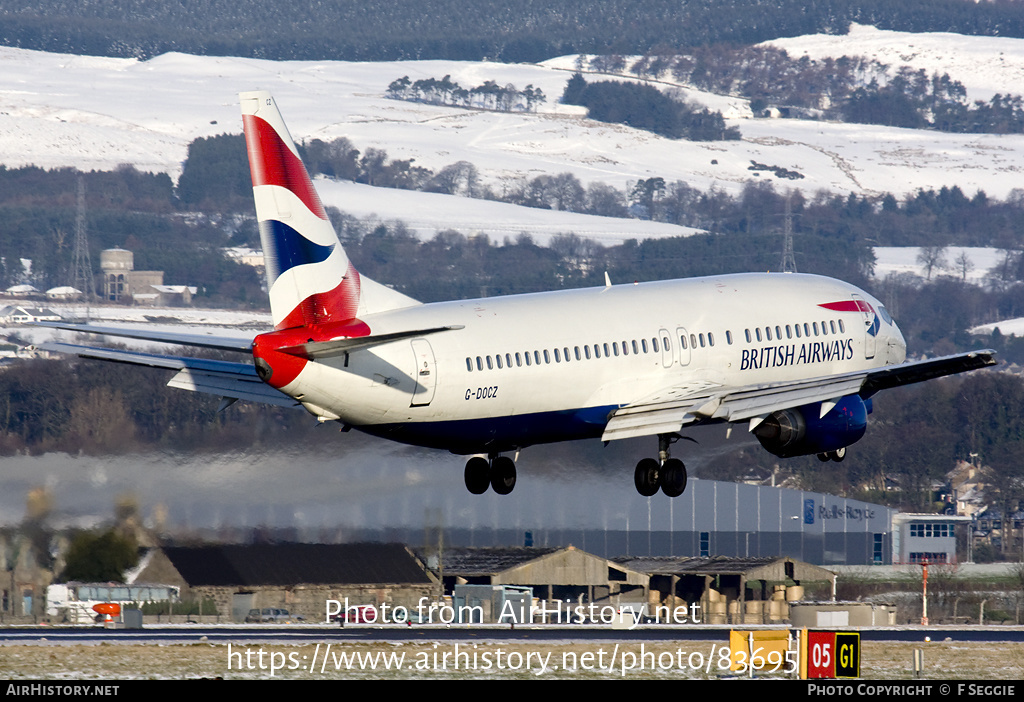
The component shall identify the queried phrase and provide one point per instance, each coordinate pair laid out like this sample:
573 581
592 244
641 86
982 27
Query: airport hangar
714 518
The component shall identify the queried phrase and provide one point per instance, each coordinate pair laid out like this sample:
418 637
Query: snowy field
903 260
986 66
96 113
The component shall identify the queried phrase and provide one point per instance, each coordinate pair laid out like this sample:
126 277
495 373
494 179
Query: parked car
272 614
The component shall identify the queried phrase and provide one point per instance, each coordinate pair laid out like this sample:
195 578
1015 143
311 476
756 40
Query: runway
302 634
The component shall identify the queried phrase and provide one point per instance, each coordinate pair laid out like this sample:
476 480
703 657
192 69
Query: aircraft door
424 373
871 325
666 347
684 346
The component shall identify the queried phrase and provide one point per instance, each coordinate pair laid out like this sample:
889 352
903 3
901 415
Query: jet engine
802 431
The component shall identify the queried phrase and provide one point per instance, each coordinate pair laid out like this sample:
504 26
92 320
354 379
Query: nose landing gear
498 473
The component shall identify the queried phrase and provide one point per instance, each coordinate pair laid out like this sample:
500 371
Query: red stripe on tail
273 163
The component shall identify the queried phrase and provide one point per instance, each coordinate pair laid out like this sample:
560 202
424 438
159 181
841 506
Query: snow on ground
896 260
986 66
60 110
1007 327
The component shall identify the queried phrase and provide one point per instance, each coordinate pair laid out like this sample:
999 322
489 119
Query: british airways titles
796 354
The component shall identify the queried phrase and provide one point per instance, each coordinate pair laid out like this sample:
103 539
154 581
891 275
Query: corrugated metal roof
293 564
489 561
717 565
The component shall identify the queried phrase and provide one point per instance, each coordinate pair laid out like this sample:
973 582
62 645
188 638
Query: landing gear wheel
503 475
824 457
478 475
673 477
838 455
647 477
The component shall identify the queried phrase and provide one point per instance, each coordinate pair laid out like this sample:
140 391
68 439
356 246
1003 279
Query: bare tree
964 264
932 258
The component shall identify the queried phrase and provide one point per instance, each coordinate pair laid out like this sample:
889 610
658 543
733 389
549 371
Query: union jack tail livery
310 279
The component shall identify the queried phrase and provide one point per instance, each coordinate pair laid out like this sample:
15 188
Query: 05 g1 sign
832 655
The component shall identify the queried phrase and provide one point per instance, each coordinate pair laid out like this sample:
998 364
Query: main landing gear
666 473
837 455
498 472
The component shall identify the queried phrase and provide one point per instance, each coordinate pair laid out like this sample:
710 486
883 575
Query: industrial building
712 518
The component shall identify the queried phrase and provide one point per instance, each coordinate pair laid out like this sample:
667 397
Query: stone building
297 577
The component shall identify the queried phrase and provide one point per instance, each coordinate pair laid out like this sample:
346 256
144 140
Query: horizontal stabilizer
337 347
236 387
220 343
222 378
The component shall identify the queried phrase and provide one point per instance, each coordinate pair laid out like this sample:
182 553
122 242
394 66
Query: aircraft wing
669 410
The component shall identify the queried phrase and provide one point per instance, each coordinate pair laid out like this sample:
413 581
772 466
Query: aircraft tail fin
309 276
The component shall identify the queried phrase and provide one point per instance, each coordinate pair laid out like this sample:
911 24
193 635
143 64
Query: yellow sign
761 652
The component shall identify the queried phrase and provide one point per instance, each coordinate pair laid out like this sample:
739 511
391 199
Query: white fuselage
544 367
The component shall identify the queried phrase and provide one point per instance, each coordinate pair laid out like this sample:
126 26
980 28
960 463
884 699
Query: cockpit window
885 314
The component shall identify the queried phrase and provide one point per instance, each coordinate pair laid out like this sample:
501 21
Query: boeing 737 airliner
794 358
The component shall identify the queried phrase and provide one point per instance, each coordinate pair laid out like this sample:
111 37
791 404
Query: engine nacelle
801 431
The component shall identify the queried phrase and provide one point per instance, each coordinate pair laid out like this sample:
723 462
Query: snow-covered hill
985 65
58 110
